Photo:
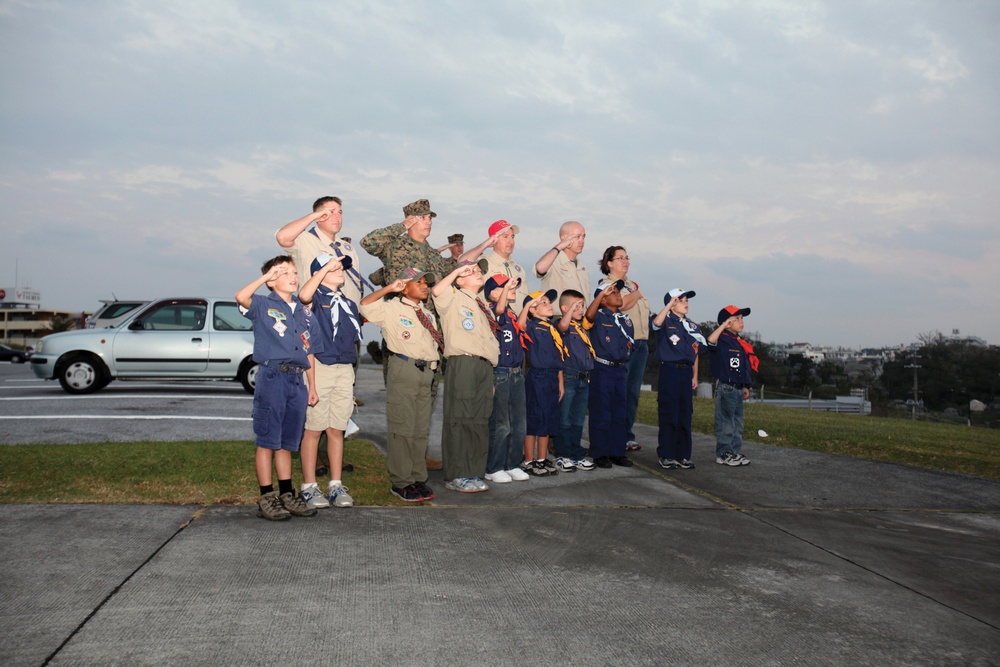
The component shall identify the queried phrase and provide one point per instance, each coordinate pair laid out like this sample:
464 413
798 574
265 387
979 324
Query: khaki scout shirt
509 267
308 246
466 329
639 313
401 329
564 274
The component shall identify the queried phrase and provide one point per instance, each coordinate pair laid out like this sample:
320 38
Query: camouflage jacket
398 251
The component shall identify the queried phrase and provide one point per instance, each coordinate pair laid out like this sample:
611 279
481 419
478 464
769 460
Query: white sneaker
565 464
337 494
480 484
499 477
351 429
517 474
584 464
312 496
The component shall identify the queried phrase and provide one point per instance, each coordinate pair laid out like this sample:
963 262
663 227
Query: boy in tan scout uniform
472 351
414 352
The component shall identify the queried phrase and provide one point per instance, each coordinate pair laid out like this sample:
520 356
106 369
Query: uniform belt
735 384
284 368
419 363
612 364
510 370
677 364
572 372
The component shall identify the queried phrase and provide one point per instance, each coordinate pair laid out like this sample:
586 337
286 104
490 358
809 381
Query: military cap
419 207
456 238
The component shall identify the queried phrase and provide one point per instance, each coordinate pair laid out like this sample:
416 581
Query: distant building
22 320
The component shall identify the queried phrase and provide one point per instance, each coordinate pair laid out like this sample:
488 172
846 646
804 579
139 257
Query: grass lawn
975 451
177 473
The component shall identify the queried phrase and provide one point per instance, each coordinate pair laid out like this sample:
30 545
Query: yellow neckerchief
583 334
563 352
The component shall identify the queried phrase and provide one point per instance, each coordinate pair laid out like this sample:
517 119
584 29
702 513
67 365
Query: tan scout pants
408 406
468 404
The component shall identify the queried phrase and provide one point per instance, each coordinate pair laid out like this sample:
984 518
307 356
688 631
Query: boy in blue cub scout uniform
543 386
338 328
732 360
677 341
612 336
283 348
577 367
507 423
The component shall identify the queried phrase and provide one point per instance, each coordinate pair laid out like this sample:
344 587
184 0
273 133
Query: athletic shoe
426 492
583 464
535 468
292 502
565 465
351 429
338 496
517 474
480 484
744 461
622 461
549 465
313 497
526 467
669 464
407 494
603 462
727 459
463 485
685 463
269 507
632 446
499 477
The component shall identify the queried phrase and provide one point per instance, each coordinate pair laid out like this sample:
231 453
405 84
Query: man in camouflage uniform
404 245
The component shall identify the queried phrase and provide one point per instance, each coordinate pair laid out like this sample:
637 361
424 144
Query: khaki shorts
335 386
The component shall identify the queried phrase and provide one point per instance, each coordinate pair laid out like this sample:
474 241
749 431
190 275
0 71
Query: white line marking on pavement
248 397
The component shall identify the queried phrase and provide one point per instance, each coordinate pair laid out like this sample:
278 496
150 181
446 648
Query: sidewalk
799 558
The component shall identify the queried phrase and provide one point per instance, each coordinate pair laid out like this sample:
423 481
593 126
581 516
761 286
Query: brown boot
433 463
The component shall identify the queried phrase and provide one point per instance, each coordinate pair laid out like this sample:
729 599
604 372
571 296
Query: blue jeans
572 411
636 368
728 419
507 423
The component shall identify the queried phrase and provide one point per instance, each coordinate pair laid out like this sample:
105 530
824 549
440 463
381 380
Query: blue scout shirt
542 350
338 341
280 336
674 343
610 335
579 357
511 352
730 362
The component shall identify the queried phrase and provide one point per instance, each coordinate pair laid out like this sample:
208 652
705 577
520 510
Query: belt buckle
420 364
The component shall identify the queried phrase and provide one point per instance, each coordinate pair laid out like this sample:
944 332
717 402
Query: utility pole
915 392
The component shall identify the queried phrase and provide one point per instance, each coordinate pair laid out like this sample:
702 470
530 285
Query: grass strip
171 473
973 451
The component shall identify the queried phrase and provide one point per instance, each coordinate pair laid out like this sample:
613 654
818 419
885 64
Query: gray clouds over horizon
154 149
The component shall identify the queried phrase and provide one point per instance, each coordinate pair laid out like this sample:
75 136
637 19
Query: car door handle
195 340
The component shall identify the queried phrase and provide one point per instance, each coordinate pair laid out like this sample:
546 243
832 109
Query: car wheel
248 375
17 359
82 374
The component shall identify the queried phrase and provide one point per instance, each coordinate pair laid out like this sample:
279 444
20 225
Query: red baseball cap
502 224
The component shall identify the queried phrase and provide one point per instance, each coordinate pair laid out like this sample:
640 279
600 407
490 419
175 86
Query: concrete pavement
799 558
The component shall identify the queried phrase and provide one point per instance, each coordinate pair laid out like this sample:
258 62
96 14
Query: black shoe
623 461
426 493
407 495
603 462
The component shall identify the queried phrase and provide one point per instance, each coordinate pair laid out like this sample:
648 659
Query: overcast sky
833 165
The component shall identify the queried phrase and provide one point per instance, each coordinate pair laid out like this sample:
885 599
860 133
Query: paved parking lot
800 558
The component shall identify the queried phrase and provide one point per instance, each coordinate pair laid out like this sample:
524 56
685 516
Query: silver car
169 338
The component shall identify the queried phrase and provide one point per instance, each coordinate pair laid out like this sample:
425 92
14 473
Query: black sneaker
537 468
408 494
603 462
685 463
623 461
549 465
426 492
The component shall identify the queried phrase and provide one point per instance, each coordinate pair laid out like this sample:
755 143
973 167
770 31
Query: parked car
169 338
112 313
13 355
